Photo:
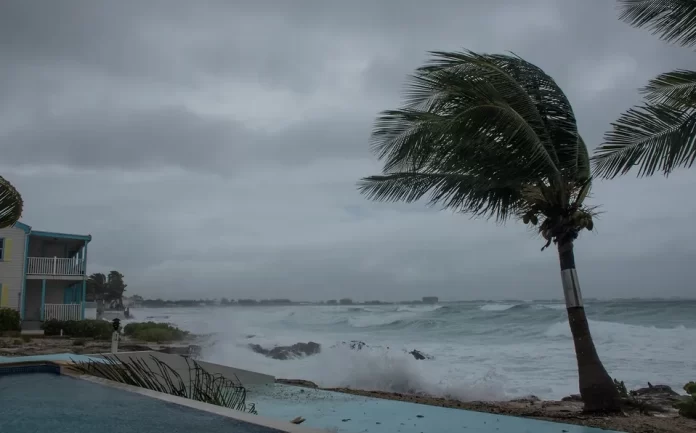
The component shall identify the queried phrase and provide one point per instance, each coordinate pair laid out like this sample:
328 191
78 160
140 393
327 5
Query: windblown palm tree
660 134
11 203
494 136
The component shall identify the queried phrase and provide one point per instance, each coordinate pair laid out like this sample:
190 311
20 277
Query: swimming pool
347 413
51 403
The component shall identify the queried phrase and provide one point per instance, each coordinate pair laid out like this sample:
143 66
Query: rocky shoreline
15 346
648 410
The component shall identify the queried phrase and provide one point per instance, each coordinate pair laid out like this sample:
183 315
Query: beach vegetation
96 329
10 320
660 133
687 407
156 375
155 332
494 136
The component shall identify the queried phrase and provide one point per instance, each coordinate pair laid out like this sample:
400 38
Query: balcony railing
55 266
62 311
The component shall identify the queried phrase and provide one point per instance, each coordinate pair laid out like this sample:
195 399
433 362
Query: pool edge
284 426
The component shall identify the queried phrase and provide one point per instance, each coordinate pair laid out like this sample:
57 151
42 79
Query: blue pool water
345 413
52 357
49 403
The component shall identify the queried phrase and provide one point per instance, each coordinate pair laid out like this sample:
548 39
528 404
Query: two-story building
43 274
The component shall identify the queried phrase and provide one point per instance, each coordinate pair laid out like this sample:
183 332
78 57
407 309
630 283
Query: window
2 248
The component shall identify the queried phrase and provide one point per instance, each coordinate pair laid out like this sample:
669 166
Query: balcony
55 267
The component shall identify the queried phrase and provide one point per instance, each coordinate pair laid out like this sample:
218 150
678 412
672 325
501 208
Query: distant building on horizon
430 299
346 301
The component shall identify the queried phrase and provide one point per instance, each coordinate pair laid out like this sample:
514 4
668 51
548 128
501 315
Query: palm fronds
201 385
11 203
673 20
659 135
677 89
474 131
654 137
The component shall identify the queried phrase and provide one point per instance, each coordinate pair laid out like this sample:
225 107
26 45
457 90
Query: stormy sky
212 147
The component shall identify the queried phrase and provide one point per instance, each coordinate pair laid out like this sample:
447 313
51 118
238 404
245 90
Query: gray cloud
214 146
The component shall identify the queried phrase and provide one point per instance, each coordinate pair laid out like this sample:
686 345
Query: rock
288 352
419 355
573 397
531 399
297 420
654 398
353 344
298 382
663 390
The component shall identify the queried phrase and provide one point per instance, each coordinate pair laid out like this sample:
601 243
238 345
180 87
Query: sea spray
513 349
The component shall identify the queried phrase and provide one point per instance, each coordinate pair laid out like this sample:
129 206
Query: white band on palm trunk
571 288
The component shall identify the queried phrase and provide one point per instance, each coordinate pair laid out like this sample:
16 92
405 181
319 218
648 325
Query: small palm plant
660 134
494 136
200 386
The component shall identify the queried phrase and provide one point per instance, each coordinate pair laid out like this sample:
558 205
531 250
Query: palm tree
494 136
97 287
660 134
11 203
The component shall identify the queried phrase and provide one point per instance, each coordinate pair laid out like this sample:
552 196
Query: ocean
481 350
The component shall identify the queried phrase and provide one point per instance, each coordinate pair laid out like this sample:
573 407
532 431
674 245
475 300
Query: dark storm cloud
216 144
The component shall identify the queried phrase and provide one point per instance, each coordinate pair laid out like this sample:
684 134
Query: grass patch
155 332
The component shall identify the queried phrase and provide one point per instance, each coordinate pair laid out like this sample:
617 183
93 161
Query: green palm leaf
653 137
673 20
475 134
460 191
658 135
677 88
11 203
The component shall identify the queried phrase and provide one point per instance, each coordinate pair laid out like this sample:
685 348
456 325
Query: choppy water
482 350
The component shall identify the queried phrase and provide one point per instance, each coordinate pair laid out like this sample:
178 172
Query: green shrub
18 342
97 329
152 331
26 338
621 388
9 320
78 343
687 408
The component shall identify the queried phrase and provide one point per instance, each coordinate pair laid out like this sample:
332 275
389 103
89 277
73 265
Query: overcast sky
212 148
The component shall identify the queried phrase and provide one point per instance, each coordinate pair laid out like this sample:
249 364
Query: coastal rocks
298 382
420 355
360 345
352 345
655 398
529 399
572 397
297 350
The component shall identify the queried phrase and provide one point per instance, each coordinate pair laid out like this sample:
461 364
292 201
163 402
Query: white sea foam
497 307
477 356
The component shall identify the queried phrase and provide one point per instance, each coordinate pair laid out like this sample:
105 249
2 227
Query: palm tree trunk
597 389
